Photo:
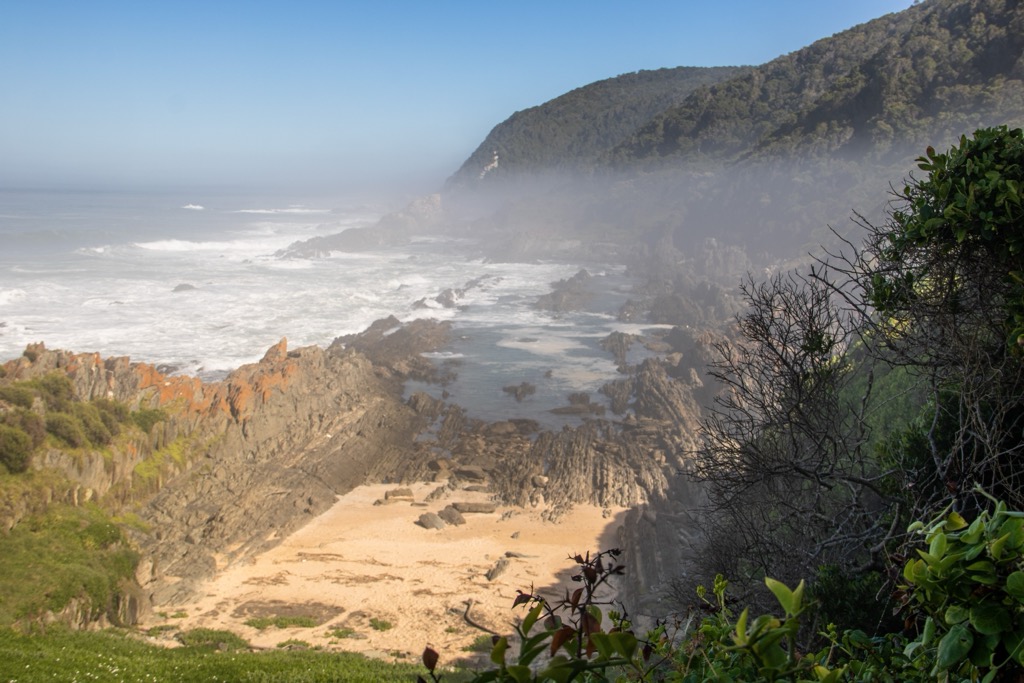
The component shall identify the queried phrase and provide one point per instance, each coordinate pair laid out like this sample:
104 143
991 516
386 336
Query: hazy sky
330 94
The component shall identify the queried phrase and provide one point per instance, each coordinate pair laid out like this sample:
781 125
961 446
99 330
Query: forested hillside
895 83
573 130
756 168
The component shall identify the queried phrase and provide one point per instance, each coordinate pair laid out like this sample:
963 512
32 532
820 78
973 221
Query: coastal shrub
961 600
15 449
56 391
67 428
95 430
17 394
113 413
32 424
69 553
145 418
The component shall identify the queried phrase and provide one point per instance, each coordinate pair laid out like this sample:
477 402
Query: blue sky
334 94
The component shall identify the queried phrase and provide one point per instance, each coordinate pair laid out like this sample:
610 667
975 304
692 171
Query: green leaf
1014 642
937 548
531 618
995 548
559 669
1015 585
603 644
956 614
498 651
954 522
624 643
990 618
798 597
952 649
522 674
783 594
741 627
928 632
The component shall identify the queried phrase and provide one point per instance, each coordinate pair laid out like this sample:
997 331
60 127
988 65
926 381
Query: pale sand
359 561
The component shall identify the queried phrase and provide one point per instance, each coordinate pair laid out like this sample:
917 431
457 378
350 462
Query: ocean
189 281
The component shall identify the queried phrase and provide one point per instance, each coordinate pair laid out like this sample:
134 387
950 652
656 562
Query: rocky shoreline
244 462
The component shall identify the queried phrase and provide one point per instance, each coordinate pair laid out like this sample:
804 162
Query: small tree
789 485
941 289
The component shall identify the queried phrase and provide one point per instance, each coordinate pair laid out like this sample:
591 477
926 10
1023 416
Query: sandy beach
376 582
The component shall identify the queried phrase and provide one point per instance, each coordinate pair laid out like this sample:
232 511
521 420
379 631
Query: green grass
69 553
341 632
380 624
482 643
281 622
109 656
294 644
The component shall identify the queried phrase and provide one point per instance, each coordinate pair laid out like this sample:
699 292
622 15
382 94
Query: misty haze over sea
191 283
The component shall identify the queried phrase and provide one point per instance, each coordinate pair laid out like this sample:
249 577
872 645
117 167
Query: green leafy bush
963 593
18 395
15 449
56 391
145 418
69 553
67 428
32 424
93 426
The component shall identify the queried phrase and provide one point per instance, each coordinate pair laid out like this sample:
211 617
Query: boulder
430 520
499 568
452 516
471 473
398 494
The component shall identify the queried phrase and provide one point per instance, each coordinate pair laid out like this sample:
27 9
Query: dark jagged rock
571 294
499 568
392 345
520 391
618 343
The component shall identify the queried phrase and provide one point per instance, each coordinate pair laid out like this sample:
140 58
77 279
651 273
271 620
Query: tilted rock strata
274 443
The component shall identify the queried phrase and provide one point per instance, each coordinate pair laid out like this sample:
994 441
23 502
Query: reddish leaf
560 637
430 659
591 574
576 595
521 598
579 559
591 624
